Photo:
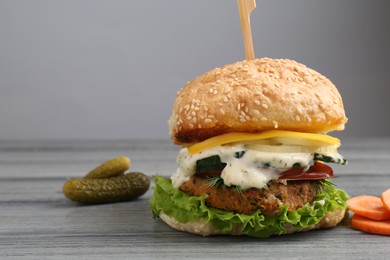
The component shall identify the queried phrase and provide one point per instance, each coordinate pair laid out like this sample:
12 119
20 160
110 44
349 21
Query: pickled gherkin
110 168
115 189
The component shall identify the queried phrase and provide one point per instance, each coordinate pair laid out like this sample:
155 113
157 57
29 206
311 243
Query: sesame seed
257 102
242 120
208 120
264 119
246 109
188 117
215 92
238 106
265 106
256 112
243 113
191 125
298 118
275 124
225 99
194 119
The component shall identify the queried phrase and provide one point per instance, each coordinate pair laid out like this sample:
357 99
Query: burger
255 152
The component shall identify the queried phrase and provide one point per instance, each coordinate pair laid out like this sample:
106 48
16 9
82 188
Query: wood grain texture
37 221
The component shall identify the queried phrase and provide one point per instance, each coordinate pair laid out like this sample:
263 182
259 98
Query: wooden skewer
245 8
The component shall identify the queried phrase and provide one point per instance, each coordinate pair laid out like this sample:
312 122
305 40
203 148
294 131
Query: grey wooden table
37 221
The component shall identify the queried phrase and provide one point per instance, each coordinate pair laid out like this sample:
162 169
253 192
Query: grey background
110 69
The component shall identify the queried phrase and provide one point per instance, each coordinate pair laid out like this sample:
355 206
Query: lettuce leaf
185 208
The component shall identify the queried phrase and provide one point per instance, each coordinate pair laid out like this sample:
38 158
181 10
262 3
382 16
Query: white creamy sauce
253 169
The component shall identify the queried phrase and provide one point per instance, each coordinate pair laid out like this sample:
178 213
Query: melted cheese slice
297 137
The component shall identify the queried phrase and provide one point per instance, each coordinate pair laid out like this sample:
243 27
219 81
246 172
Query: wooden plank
37 221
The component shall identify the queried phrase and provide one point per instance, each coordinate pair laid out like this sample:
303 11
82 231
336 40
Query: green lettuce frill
185 208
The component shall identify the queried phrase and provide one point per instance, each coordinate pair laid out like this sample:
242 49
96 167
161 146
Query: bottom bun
200 227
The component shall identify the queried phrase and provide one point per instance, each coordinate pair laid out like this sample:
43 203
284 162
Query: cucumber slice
300 141
209 164
281 148
330 158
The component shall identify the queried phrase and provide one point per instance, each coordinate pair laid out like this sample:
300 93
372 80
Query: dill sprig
217 182
328 185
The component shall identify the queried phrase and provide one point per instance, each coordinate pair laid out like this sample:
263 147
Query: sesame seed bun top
254 96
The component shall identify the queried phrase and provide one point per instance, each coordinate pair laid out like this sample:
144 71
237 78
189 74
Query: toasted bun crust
200 227
255 96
